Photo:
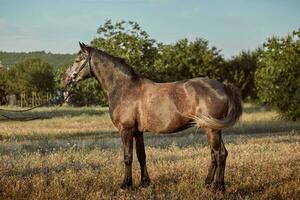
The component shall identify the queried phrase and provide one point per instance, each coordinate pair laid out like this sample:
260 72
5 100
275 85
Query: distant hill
9 59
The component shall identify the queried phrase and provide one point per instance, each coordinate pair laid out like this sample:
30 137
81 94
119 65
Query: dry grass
76 154
58 122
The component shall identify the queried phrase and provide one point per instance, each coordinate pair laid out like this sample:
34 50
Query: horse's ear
84 48
80 44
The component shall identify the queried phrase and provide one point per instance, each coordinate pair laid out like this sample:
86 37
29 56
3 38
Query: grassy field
75 153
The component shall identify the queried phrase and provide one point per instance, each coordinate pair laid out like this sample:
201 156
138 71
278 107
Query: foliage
88 92
188 59
3 84
127 40
31 75
9 60
278 75
240 70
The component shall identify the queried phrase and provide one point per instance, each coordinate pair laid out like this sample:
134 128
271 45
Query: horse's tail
234 111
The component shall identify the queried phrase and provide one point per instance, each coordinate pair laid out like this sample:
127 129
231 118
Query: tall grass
75 153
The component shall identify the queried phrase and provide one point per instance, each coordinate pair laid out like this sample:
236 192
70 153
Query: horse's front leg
127 139
140 152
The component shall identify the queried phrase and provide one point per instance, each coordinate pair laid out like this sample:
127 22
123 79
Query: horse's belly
160 125
161 116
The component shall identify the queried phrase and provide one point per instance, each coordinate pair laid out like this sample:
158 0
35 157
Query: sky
230 25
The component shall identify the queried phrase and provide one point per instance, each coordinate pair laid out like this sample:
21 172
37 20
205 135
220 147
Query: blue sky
230 25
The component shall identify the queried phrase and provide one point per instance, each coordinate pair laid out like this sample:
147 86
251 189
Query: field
75 153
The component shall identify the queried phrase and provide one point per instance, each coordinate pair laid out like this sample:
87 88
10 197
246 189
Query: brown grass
77 155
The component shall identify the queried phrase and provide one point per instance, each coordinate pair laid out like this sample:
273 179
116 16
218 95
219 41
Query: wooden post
33 96
23 100
37 99
40 98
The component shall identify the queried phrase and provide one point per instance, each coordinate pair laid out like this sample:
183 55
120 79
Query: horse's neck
111 76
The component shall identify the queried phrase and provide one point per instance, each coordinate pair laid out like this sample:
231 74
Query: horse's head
81 68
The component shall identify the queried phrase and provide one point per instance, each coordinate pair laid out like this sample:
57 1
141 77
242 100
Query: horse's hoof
126 184
219 188
145 182
207 186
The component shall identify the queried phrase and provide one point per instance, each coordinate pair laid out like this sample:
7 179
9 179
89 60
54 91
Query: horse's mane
122 64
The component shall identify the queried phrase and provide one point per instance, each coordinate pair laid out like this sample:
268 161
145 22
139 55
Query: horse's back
209 96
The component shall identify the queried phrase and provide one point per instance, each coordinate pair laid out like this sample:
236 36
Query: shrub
188 59
3 85
31 75
240 70
278 75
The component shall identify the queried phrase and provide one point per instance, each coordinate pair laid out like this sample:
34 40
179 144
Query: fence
28 99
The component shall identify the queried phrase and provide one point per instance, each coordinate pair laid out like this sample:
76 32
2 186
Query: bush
278 75
88 92
240 70
32 75
127 40
188 59
3 85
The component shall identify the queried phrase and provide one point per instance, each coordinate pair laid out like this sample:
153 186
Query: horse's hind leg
212 170
219 155
140 152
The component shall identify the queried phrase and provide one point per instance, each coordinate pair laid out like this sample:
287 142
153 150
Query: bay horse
138 105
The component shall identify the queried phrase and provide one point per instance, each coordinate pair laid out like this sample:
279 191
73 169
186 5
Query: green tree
187 59
127 40
240 70
278 75
3 84
31 75
88 93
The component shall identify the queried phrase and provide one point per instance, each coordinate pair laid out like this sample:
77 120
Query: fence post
33 98
40 95
23 100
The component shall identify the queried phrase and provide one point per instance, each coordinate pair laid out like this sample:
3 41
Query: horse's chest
123 116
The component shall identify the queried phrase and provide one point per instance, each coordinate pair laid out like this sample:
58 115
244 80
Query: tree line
9 59
269 74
